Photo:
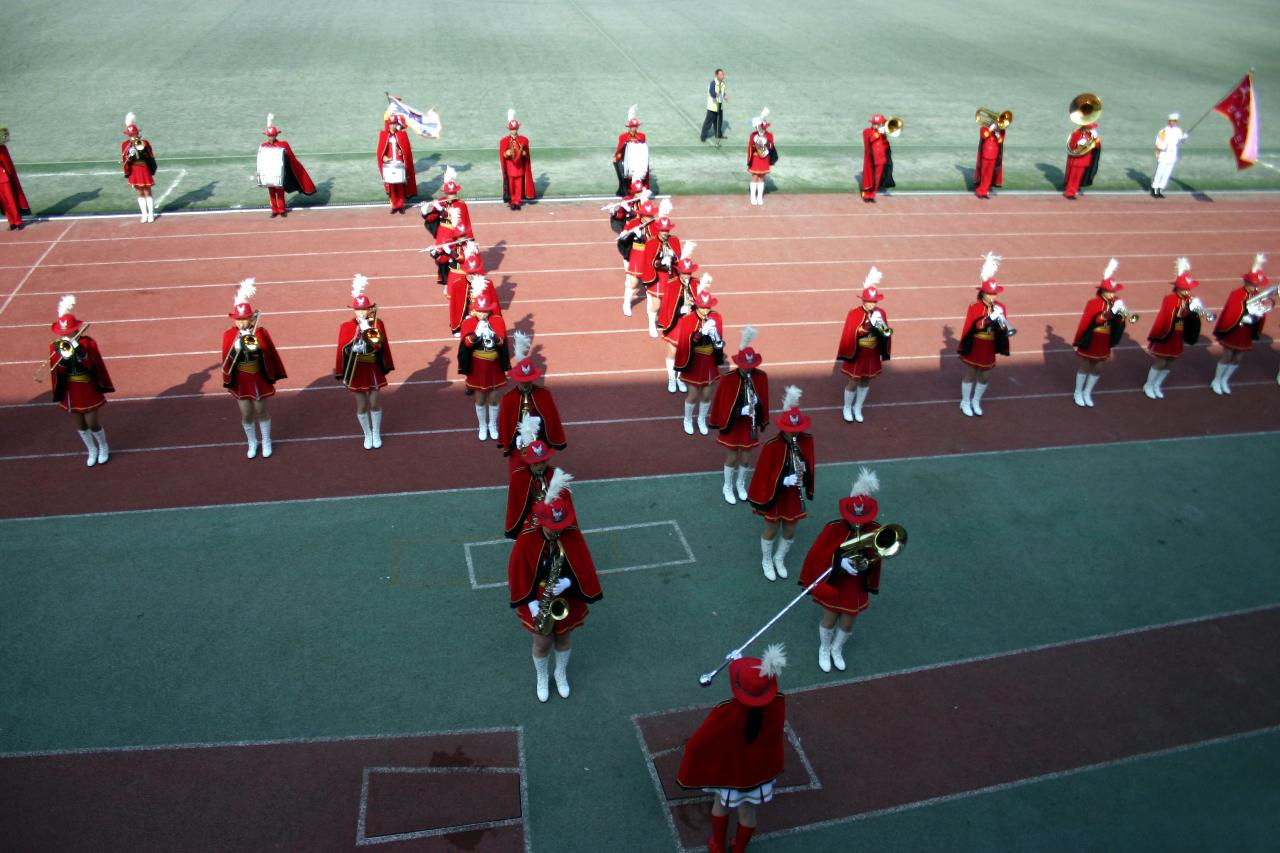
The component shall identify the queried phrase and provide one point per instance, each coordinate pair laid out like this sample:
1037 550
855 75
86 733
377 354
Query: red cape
718 755
822 554
853 323
148 156
650 262
623 139
542 405
990 147
347 333
296 179
469 342
874 146
751 148
1162 325
272 366
438 218
686 329
1095 306
406 153
92 361
1233 312
526 161
675 294
460 299
768 476
6 162
523 491
975 320
522 569
724 407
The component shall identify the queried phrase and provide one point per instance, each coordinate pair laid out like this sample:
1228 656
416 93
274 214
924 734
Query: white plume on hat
773 661
631 112
450 174
1259 260
511 116
687 247
477 286
990 263
664 207
748 335
520 343
867 483
759 120
528 430
358 284
129 118
66 303
470 248
704 283
560 481
873 278
1112 265
1183 265
270 118
791 397
246 290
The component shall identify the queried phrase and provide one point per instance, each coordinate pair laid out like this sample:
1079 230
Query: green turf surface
202 77
356 616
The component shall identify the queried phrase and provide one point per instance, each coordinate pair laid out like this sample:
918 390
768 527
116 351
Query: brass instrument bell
893 126
1086 108
986 116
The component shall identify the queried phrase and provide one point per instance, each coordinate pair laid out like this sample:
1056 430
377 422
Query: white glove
244 333
848 566
534 607
1248 319
1257 311
685 309
708 327
519 442
877 319
483 329
746 410
1195 304
358 345
1118 307
997 311
790 480
75 345
424 207
561 586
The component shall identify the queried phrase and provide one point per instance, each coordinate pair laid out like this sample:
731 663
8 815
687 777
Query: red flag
1241 110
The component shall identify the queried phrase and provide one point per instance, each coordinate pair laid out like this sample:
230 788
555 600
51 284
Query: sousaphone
1086 108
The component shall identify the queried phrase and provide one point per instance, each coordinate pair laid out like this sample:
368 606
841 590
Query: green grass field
203 76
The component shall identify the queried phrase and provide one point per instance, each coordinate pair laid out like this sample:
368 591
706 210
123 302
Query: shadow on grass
1052 174
192 197
970 179
71 202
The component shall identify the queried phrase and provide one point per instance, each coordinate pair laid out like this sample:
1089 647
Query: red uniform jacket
523 491
1233 312
522 568
976 320
296 179
857 324
823 555
148 156
469 343
990 147
623 139
9 173
1089 161
689 334
718 755
729 400
405 153
1172 308
653 270
436 220
540 404
676 294
89 359
875 149
347 334
516 165
272 366
460 299
774 460
751 148
1097 313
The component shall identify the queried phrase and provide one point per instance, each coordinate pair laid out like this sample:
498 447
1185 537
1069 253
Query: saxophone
552 609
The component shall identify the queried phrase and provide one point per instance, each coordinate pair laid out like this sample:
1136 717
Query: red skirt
367 376
658 286
82 397
577 615
1099 348
251 386
139 175
759 165
1239 339
785 508
982 355
701 370
486 374
738 436
635 260
842 593
1170 348
865 365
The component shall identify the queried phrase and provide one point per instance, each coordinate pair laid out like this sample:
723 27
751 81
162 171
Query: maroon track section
421 793
157 296
965 727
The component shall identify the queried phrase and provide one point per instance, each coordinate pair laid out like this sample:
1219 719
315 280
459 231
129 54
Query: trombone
371 336
986 116
66 349
244 342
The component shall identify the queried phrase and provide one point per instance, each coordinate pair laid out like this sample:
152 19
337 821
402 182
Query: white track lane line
33 268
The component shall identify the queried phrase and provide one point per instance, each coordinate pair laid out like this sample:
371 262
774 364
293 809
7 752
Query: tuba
893 127
985 116
1086 108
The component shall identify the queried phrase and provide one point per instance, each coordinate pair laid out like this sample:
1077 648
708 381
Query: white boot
859 400
780 555
751 193
978 390
729 497
103 452
1225 383
142 206
743 471
671 375
626 299
483 433
375 423
847 412
250 434
824 647
653 322
1149 387
544 689
1216 384
760 194
87 438
688 418
766 559
966 393
680 386
493 422
265 428
363 418
703 408
1088 388
1079 394
837 649
562 673
1159 386
151 209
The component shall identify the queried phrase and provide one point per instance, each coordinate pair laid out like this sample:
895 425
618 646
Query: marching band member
844 594
1101 326
784 476
699 353
738 751
527 399
364 360
461 276
877 159
620 211
394 148
677 301
1167 142
1177 323
517 164
12 199
631 243
740 412
1084 151
864 343
139 163
450 246
552 579
632 134
658 263
482 356
296 178
761 155
80 378
990 169
251 366
527 484
1241 324
985 335
434 213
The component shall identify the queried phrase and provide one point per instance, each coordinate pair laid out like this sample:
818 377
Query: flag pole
1211 109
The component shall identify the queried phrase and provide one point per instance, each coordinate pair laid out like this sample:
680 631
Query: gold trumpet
1086 108
887 541
985 116
66 350
893 126
372 334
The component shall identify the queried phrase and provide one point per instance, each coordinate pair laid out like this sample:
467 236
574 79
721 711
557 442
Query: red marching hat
555 511
791 419
990 263
512 123
359 301
130 126
532 448
271 130
702 298
1256 276
686 265
860 507
632 121
66 324
664 224
472 260
450 185
481 296
754 681
747 358
523 369
871 293
241 309
1109 284
1184 281
878 119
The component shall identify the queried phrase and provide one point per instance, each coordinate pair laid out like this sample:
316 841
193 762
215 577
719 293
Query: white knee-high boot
104 453
1079 394
671 375
847 412
562 672
363 418
544 689
966 394
483 421
252 436
375 423
688 417
1149 387
979 389
780 555
264 427
837 649
729 497
860 398
743 472
87 437
825 636
766 559
1088 388
703 408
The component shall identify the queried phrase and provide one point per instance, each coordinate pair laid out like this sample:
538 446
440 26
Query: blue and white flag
426 125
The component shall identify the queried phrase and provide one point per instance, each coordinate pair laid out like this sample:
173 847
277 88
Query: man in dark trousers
716 99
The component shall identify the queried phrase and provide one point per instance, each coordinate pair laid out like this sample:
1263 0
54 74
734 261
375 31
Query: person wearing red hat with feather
1177 323
877 159
79 379
526 399
783 478
516 163
1240 324
658 263
740 412
620 211
251 366
296 178
984 334
677 301
468 270
528 481
738 751
552 551
435 213
631 135
395 162
483 357
451 242
699 353
864 344
761 155
364 360
1101 327
633 242
854 577
139 163
12 199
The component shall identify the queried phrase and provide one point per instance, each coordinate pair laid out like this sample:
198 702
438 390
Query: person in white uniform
1167 142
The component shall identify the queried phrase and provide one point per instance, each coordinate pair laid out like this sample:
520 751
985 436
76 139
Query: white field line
33 268
182 173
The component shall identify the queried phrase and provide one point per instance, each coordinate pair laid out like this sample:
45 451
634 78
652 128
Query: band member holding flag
761 155
551 579
1101 326
516 163
364 360
740 412
1177 323
1168 140
395 162
632 135
12 199
784 478
738 751
699 353
526 399
294 178
80 379
877 159
139 163
483 357
251 366
864 344
985 334
1240 323
529 480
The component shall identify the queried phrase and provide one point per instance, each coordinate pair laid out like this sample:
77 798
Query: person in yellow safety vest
717 97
